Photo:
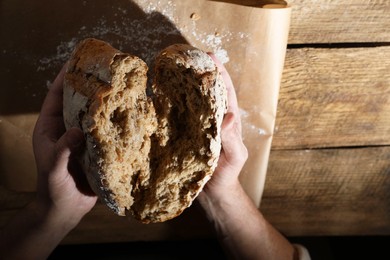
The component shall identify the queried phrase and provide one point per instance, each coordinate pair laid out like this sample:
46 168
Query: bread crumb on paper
195 17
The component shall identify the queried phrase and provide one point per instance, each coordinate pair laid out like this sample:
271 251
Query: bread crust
150 159
190 102
97 88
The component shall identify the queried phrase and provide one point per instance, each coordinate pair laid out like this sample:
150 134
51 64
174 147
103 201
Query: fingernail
228 121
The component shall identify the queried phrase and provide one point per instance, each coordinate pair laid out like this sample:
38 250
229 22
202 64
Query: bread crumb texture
147 155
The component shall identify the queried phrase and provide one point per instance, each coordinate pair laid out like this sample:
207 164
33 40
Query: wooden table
329 170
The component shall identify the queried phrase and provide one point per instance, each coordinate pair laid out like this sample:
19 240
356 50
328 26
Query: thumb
234 151
70 142
73 139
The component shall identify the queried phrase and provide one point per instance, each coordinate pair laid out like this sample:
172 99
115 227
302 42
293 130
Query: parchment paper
250 41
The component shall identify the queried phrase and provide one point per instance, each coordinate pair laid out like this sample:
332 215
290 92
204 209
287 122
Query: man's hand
62 186
241 228
234 153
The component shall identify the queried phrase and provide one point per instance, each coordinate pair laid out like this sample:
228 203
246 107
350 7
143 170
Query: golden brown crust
151 159
190 101
103 90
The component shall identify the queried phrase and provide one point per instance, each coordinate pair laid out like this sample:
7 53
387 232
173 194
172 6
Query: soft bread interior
180 151
123 128
149 158
118 120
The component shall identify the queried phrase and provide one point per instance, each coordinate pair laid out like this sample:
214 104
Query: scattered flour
166 8
214 42
249 126
144 36
63 51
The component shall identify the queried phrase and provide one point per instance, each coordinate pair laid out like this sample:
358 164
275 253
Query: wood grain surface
334 98
329 169
327 21
329 191
101 225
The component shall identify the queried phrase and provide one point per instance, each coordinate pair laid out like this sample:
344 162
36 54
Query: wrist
35 230
225 192
218 201
51 218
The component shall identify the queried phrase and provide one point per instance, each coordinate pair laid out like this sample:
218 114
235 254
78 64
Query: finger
50 121
234 150
52 105
228 121
69 143
231 93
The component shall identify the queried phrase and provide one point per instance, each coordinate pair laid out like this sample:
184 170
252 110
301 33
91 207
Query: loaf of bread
149 151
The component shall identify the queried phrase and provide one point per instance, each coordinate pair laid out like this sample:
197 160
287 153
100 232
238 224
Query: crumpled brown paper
250 38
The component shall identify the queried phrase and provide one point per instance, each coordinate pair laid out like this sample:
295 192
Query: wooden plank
192 224
333 98
307 193
319 21
329 191
10 200
101 225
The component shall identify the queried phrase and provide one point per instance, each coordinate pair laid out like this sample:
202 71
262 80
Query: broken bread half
148 153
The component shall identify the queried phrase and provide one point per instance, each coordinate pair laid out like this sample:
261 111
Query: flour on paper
248 126
144 35
214 42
